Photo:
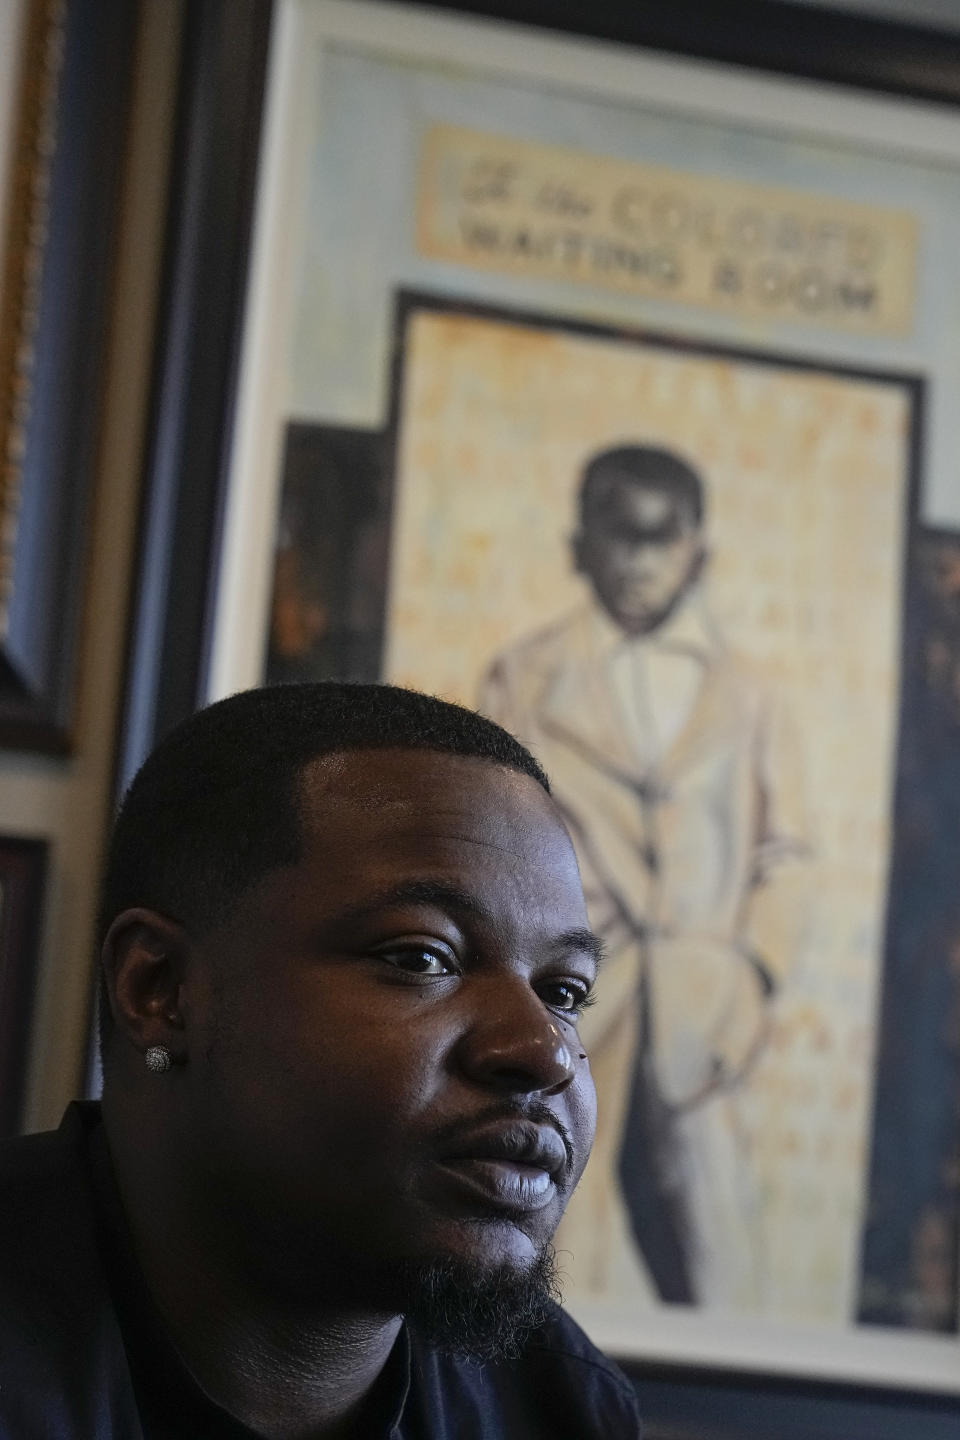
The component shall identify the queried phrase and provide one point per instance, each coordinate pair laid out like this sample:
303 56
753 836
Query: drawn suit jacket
690 865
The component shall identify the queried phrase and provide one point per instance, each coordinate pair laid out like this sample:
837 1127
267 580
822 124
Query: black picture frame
223 76
23 866
211 210
67 154
683 1403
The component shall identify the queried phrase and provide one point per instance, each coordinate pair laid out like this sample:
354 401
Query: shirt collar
401 1358
689 630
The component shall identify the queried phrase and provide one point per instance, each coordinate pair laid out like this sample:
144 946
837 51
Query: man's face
641 550
384 1067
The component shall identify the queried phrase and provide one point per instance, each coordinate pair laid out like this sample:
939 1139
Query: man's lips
513 1165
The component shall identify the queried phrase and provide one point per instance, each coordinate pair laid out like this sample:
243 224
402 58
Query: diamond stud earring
158 1059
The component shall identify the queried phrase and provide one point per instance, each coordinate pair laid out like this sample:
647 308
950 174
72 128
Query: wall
67 800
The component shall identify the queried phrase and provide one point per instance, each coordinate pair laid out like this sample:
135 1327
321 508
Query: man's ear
143 958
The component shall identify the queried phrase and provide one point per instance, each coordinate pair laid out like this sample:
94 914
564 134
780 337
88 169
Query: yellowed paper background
805 473
496 203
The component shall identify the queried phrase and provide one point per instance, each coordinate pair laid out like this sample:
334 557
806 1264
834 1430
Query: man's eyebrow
586 941
440 893
446 896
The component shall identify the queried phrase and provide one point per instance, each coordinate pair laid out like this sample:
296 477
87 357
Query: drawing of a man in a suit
678 774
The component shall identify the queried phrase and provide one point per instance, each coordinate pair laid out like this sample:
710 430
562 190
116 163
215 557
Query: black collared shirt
84 1356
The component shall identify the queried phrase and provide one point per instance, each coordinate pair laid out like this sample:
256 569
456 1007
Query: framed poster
612 392
65 75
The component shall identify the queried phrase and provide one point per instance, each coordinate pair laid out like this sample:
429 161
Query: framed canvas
23 865
487 264
67 78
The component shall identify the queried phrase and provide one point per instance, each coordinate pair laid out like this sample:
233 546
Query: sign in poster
498 203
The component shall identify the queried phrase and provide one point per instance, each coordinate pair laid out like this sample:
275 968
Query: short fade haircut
217 804
645 465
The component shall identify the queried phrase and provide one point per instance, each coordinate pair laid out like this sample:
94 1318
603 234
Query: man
345 950
676 772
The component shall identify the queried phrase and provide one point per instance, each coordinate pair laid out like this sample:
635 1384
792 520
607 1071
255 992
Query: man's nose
515 1046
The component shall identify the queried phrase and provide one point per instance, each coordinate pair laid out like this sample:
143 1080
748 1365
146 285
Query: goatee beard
483 1314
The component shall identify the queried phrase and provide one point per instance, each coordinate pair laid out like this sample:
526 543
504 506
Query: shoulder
43 1169
542 647
56 1329
47 1220
38 1174
560 1387
562 1344
754 686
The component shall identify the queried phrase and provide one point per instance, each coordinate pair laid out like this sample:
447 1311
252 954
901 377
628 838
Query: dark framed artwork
65 148
680 1403
23 865
910 1247
535 246
469 492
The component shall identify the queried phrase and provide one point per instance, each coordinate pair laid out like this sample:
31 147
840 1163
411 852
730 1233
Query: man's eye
570 996
418 960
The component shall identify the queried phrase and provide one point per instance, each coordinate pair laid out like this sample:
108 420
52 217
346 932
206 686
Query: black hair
646 465
217 804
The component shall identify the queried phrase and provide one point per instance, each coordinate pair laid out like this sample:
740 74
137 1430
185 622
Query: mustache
534 1111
